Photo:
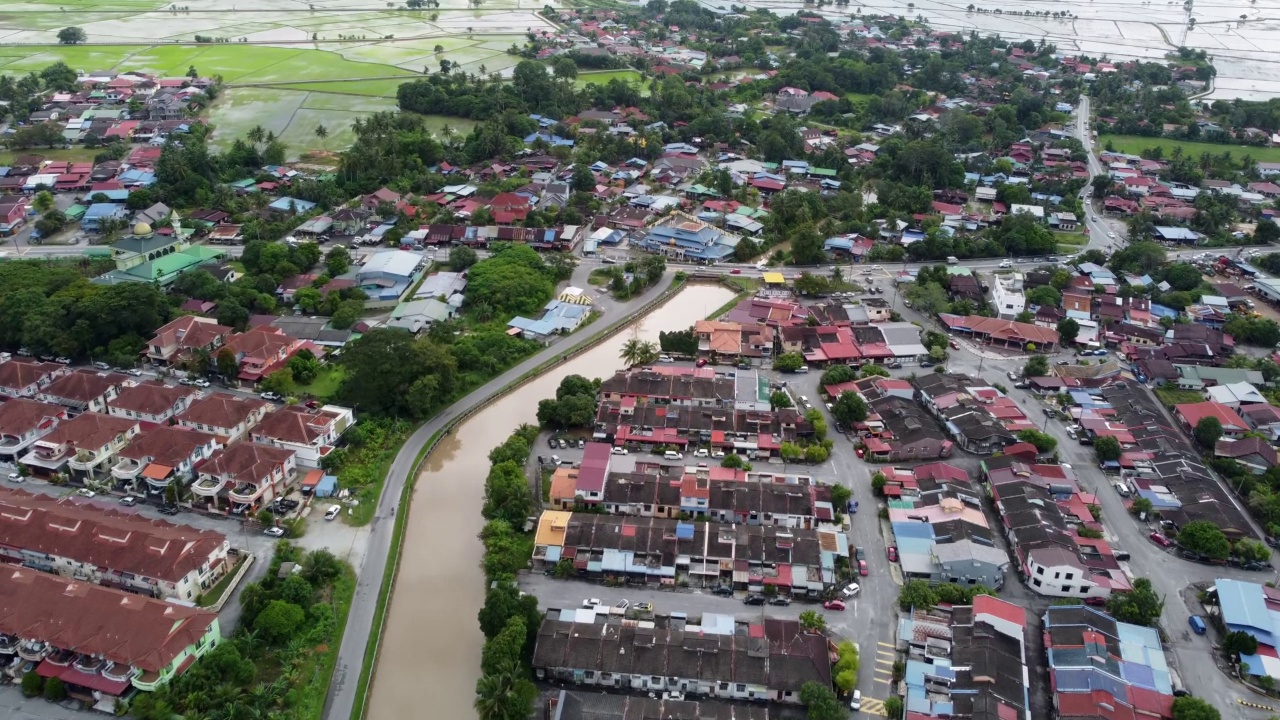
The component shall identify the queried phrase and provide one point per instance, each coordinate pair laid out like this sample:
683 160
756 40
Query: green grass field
1135 144
604 76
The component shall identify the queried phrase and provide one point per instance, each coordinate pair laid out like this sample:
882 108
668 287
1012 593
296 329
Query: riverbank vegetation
278 661
509 619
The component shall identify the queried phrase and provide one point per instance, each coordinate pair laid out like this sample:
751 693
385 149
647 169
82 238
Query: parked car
895 366
1096 601
186 381
201 383
862 568
168 509
893 553
855 702
274 532
332 512
859 553
1160 540
15 477
782 600
101 366
269 396
619 451
850 590
622 605
86 492
926 364
128 501
724 590
644 606
834 605
551 443
954 345
701 362
591 603
753 600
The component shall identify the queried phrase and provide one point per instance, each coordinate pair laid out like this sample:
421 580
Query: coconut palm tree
322 132
256 135
504 694
638 352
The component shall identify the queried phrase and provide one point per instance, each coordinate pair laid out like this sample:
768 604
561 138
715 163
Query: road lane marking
872 706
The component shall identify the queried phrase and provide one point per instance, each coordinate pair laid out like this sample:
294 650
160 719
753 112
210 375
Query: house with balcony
261 350
83 447
226 415
185 335
310 434
766 660
101 642
123 550
24 421
26 378
160 456
243 478
84 390
152 402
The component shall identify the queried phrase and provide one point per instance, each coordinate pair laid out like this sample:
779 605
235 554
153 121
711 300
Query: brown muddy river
430 656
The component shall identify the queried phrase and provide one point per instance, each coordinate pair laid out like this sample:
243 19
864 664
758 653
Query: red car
862 568
833 605
954 345
1095 601
1160 540
735 271
893 553
701 362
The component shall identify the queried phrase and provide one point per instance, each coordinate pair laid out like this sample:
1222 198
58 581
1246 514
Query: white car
269 396
274 532
850 590
86 492
332 512
701 452
135 372
619 451
15 477
855 703
1111 235
201 383
717 454
1006 263
591 603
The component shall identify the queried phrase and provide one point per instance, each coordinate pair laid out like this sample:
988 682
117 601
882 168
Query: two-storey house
102 642
24 421
84 447
187 334
159 456
310 434
243 478
123 550
26 378
260 350
225 415
152 402
84 390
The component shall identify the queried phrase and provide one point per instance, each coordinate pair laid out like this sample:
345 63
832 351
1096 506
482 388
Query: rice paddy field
287 66
1135 144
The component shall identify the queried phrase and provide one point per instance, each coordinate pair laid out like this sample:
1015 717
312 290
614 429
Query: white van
672 455
1122 489
665 359
953 260
803 369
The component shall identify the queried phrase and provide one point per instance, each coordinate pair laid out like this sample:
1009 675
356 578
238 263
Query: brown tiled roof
121 627
150 398
20 416
294 424
21 373
245 461
89 431
166 444
83 385
189 331
260 342
220 410
108 538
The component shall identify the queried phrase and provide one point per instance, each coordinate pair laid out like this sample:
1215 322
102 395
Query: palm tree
256 135
322 132
638 352
502 694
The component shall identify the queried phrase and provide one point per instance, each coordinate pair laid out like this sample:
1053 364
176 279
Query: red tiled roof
18 374
167 444
20 416
121 627
245 462
108 538
221 411
83 385
90 431
295 424
151 398
1193 413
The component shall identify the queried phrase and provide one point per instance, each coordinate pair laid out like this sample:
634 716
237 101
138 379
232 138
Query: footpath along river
430 656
